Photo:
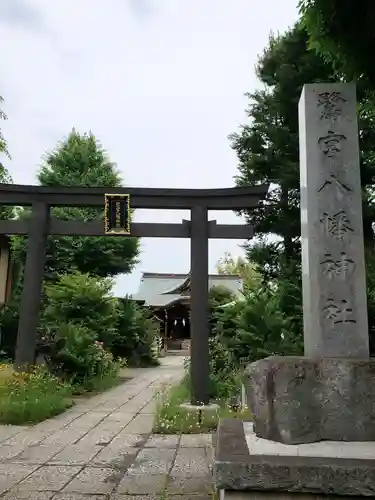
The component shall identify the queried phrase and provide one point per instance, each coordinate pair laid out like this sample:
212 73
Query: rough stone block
237 468
303 400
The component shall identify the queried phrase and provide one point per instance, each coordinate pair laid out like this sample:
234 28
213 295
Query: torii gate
199 229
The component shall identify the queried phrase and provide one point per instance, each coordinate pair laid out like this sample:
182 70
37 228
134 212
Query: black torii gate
199 229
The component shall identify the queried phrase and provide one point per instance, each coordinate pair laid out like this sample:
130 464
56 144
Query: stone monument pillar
333 265
304 408
330 393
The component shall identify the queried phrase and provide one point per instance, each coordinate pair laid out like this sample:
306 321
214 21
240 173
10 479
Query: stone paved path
103 448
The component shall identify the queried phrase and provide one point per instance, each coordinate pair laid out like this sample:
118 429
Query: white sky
159 82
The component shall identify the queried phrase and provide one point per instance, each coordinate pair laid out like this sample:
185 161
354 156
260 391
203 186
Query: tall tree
267 147
81 161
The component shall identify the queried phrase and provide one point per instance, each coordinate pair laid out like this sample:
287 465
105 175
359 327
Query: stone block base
304 400
246 463
262 495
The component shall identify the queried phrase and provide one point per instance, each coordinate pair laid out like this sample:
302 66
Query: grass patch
172 419
100 382
27 398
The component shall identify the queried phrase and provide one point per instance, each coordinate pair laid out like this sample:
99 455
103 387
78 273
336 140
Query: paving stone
150 408
11 474
153 461
16 494
102 434
194 496
203 484
140 497
141 484
76 455
66 436
196 440
160 441
94 480
37 454
190 462
49 477
79 496
8 452
56 423
8 431
119 416
142 424
120 462
119 449
28 437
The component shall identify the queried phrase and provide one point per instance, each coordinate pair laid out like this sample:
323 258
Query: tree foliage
268 151
269 320
241 267
81 161
267 146
343 32
4 175
137 332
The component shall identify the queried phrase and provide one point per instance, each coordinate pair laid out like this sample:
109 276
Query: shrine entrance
117 208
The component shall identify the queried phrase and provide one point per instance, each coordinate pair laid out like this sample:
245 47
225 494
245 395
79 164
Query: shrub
31 397
136 334
82 299
73 352
78 327
251 329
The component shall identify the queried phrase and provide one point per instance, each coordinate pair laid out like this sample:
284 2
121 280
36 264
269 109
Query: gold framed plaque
117 214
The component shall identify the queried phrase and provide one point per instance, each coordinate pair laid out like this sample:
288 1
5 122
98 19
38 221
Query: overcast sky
160 83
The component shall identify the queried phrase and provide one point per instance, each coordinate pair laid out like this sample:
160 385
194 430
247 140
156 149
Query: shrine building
168 296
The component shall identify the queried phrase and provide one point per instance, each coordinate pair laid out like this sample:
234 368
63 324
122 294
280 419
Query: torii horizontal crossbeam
137 229
148 198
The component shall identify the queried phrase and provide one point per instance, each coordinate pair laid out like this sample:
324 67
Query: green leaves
136 333
79 160
267 145
343 33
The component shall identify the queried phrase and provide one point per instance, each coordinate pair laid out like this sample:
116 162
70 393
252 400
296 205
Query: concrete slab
142 424
141 484
12 474
93 480
196 440
160 441
16 494
238 468
201 484
153 461
75 455
38 454
256 495
330 449
79 496
59 458
48 478
190 462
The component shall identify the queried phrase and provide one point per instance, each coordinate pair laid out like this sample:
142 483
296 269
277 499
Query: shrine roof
165 289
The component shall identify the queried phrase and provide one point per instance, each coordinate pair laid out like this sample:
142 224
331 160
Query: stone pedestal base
304 400
246 463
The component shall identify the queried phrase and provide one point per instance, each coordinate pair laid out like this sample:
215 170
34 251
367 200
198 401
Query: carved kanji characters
331 144
341 188
330 105
338 311
341 267
337 225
